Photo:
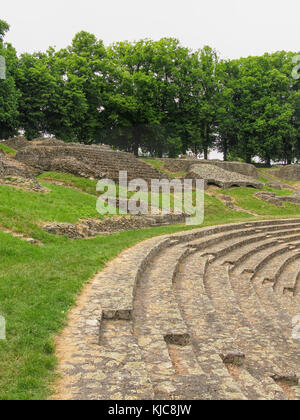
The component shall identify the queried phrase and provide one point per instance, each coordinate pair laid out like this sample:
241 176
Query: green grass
263 179
22 210
8 150
85 185
244 198
159 166
272 174
38 285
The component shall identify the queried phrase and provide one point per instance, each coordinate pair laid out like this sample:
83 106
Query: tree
4 28
158 96
255 112
9 94
83 67
202 97
167 89
146 93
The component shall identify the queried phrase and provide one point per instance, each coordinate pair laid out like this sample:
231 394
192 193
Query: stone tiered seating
87 161
205 314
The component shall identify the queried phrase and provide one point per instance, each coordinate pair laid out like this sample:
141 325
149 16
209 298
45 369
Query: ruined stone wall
184 165
214 175
87 161
10 167
289 172
17 143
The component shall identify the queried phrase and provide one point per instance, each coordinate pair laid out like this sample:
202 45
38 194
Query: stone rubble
90 228
272 198
16 174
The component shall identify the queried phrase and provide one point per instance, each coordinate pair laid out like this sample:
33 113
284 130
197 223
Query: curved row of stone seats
195 315
260 350
88 161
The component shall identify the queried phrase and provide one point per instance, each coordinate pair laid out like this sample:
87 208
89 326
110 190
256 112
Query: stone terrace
205 314
184 165
87 161
214 175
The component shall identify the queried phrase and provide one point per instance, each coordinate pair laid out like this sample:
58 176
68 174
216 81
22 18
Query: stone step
271 271
252 257
211 336
284 274
275 308
268 329
206 328
159 327
240 231
246 338
222 250
163 321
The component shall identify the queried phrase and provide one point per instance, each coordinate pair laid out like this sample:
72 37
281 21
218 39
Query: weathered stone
17 142
17 174
213 175
233 358
11 167
92 227
268 197
199 329
277 200
184 165
89 161
274 186
289 172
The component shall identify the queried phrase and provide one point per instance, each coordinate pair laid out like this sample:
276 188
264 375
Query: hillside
41 274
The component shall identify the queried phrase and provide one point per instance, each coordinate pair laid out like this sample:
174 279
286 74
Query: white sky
234 27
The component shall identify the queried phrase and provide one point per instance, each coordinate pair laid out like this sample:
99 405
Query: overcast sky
234 27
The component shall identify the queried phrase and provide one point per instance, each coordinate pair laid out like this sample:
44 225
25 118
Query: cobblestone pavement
204 314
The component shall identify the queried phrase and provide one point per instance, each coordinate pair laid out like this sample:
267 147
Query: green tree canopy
9 94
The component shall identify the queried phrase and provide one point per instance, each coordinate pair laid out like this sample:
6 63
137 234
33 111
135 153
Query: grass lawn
244 198
272 174
38 285
8 150
160 166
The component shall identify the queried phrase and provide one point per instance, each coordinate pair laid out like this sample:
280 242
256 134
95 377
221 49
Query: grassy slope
160 166
8 150
243 197
38 285
271 173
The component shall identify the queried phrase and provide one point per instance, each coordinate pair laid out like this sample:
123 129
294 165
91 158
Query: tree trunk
225 152
206 153
248 158
206 137
136 150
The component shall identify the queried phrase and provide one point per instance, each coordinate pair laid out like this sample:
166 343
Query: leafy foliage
156 96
